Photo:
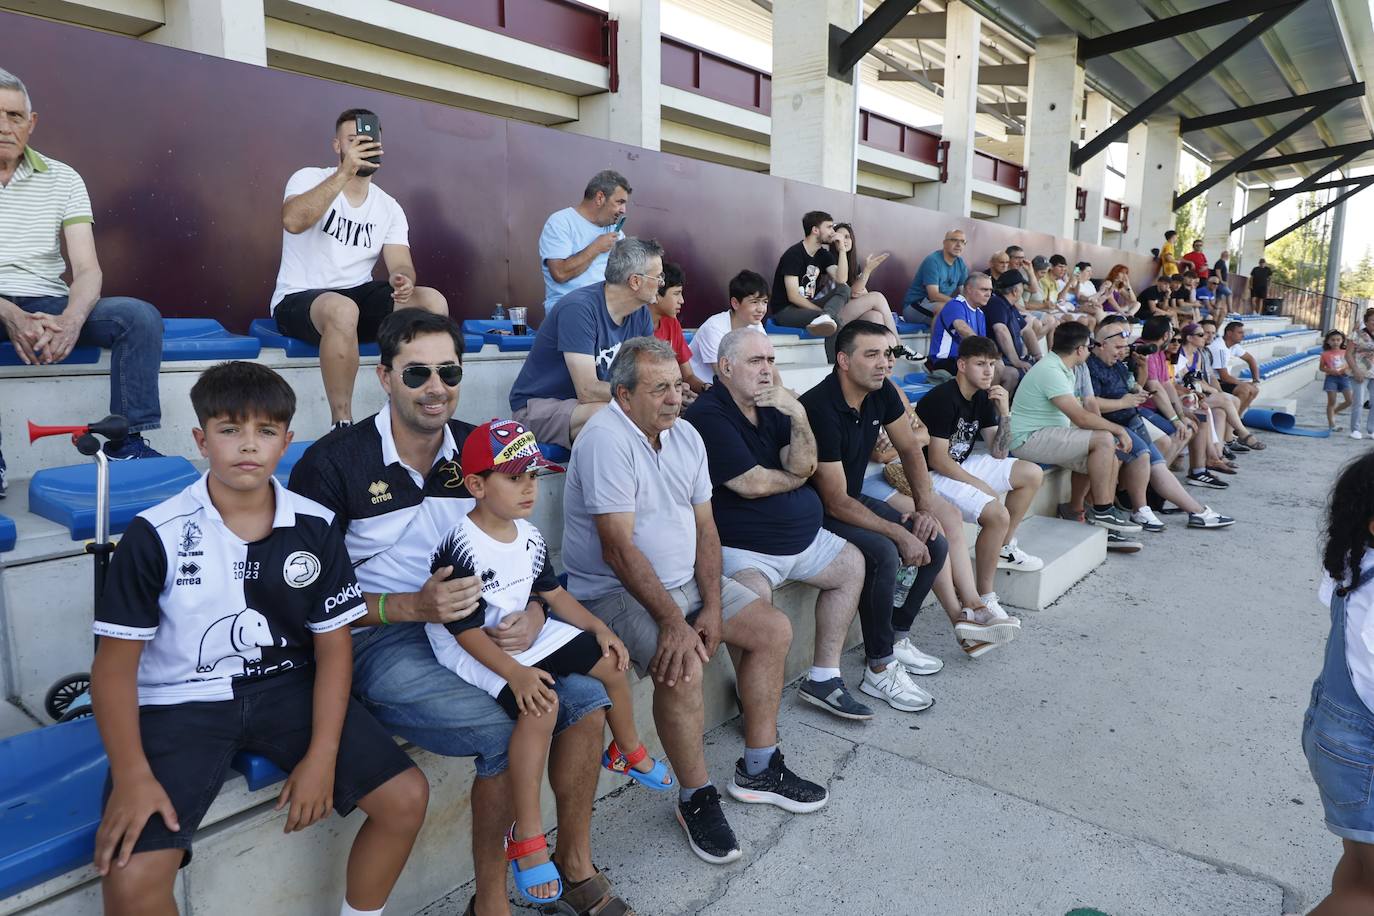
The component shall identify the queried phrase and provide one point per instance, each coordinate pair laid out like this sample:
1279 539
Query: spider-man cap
504 446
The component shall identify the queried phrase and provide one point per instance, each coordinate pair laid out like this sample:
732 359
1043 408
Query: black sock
1103 508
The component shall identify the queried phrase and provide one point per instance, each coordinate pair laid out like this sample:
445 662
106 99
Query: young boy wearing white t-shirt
496 543
335 225
748 306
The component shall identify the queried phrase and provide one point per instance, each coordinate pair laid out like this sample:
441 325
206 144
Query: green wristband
381 609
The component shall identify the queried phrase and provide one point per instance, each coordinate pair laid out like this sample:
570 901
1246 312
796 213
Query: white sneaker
981 626
1014 558
822 325
895 687
1356 434
914 660
994 606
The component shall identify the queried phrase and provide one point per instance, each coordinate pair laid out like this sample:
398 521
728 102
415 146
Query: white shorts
995 472
799 566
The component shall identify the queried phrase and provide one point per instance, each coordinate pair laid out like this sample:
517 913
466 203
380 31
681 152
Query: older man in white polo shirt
643 554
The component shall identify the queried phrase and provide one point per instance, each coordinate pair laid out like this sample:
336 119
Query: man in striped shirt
43 202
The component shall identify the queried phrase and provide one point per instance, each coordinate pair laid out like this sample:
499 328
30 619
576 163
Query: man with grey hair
643 553
45 205
576 241
760 454
563 381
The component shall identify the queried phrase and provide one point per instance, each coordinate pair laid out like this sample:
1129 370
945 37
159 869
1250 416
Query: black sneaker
131 449
3 486
1205 479
777 785
834 698
1119 543
1111 518
708 831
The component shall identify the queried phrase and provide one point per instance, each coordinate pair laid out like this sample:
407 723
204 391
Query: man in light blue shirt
937 279
577 240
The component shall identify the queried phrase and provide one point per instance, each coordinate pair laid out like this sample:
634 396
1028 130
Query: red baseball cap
504 446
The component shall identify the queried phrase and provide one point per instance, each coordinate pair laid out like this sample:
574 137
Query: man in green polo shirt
1050 425
43 203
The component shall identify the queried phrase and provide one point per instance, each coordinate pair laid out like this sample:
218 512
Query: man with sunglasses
394 486
563 382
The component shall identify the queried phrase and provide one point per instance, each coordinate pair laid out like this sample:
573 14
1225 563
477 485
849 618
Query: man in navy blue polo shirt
760 452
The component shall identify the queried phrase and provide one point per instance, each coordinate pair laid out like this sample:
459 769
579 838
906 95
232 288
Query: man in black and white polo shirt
336 223
393 516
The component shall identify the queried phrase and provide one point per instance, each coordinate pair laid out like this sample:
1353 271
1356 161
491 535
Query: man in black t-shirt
958 413
761 453
1259 284
846 411
811 283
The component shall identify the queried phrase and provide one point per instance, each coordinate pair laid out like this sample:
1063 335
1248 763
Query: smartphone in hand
619 224
366 125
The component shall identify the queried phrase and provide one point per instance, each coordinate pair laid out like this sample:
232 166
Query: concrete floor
1136 751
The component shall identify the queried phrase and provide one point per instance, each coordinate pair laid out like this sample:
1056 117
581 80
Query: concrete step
1070 550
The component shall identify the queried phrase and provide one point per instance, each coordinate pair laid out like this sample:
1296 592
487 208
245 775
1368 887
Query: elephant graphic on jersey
233 645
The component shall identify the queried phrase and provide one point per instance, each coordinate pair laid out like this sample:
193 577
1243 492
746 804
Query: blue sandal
544 873
624 764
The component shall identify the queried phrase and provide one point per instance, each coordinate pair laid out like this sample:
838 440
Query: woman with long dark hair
1338 730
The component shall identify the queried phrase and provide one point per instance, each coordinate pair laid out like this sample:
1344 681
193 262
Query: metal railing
1318 310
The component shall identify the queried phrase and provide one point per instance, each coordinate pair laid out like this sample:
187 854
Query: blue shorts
1339 745
1140 444
1156 418
398 679
1336 383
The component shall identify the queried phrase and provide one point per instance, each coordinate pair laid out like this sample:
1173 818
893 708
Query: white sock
347 910
823 674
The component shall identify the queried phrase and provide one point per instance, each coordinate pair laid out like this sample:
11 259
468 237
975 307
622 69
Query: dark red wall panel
186 157
562 25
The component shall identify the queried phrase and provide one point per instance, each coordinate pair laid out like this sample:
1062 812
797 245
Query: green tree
1358 282
1189 219
1299 258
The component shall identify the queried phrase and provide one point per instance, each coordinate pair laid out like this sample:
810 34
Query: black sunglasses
415 376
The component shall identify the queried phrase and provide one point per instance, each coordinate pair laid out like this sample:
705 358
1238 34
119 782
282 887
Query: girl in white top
1338 730
1360 346
748 305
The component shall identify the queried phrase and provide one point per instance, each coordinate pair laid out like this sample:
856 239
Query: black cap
1009 278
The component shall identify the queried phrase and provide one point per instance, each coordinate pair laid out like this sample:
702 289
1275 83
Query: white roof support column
1151 180
233 29
1094 175
963 29
631 114
1221 206
815 115
1252 233
1052 123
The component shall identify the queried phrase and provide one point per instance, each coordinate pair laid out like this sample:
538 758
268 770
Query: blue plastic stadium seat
66 495
51 781
257 771
912 327
204 338
8 534
688 335
265 330
79 356
915 392
555 453
472 343
489 329
915 378
294 451
772 327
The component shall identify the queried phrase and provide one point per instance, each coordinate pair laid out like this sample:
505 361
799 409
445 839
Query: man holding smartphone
576 241
336 224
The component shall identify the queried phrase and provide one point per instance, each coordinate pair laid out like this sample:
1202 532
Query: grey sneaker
1119 543
777 786
834 698
1113 519
1209 518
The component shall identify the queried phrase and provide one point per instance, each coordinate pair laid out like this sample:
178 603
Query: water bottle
499 314
906 577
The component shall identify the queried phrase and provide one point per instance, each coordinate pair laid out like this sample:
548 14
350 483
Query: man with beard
336 223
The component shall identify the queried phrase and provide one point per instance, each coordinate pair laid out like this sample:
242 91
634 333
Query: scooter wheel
72 715
61 694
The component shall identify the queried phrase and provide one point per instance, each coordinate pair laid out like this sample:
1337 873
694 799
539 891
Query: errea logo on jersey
301 569
380 491
350 594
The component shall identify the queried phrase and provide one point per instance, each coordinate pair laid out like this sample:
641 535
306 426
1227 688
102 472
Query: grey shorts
628 619
550 419
1065 446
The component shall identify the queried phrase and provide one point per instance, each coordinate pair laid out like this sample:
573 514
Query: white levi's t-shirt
340 250
706 341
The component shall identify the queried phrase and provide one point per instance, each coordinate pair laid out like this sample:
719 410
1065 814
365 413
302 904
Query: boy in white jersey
224 627
495 542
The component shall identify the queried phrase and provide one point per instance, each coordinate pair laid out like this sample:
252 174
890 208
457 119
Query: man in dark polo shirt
395 488
846 412
761 453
